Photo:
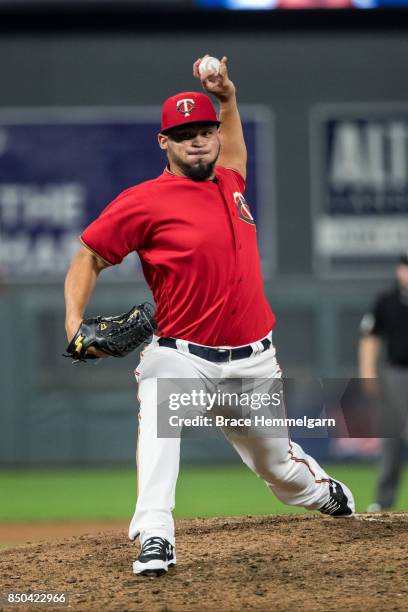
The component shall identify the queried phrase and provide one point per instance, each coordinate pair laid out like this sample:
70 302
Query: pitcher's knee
271 474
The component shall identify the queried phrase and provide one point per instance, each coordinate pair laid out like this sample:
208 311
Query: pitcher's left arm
233 149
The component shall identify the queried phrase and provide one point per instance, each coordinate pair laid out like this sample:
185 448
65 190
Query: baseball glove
116 336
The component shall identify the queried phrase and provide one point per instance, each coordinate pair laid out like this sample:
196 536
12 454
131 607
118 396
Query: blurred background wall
54 413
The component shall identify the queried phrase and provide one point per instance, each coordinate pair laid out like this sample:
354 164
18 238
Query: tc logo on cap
186 106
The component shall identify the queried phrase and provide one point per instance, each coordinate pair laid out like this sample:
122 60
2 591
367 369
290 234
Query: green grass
110 493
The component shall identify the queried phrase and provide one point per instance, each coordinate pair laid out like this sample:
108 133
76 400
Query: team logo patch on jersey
244 212
186 106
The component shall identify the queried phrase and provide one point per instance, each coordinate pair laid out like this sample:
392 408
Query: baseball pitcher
196 239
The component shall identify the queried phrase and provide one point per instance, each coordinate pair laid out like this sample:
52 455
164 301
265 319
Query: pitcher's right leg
157 459
157 462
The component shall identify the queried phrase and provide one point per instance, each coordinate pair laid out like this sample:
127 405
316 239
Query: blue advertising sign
59 168
359 177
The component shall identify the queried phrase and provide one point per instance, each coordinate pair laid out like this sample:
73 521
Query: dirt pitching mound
268 563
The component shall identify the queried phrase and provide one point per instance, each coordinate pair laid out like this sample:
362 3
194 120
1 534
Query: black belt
218 355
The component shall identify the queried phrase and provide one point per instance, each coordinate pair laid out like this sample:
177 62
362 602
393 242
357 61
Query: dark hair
403 259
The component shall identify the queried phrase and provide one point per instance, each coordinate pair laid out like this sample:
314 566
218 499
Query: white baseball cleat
341 501
156 556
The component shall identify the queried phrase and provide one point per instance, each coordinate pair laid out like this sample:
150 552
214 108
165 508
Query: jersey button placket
232 212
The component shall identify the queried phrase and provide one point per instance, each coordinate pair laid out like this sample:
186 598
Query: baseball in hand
209 66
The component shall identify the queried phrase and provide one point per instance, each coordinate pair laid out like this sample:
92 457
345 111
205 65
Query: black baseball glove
115 336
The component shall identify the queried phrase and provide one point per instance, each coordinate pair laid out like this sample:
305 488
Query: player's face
192 150
402 275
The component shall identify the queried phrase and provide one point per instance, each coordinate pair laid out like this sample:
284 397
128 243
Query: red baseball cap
187 107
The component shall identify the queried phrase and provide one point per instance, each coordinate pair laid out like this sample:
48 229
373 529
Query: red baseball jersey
197 244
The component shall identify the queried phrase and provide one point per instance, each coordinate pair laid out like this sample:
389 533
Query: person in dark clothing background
386 325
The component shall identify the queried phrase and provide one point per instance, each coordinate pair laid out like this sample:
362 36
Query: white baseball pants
292 475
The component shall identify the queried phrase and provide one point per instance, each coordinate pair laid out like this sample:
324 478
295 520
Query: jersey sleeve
372 323
236 178
122 227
